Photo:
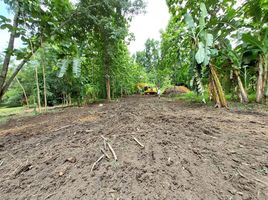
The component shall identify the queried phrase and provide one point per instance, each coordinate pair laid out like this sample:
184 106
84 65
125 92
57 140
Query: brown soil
176 90
191 152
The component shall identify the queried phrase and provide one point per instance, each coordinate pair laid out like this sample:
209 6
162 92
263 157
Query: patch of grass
192 97
231 98
6 111
233 104
9 112
252 97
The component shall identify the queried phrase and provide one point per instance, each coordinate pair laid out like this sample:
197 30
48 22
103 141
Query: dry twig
138 141
23 168
50 195
112 150
104 142
63 127
95 163
253 177
105 153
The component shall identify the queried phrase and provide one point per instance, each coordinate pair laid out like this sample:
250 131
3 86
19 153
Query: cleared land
191 152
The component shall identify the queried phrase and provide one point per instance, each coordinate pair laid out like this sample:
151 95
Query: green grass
8 112
251 98
233 104
5 111
192 97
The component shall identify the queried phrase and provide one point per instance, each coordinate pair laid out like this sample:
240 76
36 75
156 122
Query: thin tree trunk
107 77
63 99
245 78
242 90
38 90
70 100
44 78
9 52
259 89
265 79
106 63
108 88
24 93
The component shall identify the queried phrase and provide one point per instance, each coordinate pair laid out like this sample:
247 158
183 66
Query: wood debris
71 160
95 163
23 168
138 142
112 150
105 153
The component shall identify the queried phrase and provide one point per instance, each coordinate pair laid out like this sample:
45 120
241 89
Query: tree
201 44
108 23
258 39
32 19
174 62
149 58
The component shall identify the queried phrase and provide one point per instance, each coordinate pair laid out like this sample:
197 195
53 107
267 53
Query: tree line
79 52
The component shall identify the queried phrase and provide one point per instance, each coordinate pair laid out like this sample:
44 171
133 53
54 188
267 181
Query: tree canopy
79 52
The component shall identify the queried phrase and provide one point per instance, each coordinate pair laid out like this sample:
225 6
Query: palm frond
64 65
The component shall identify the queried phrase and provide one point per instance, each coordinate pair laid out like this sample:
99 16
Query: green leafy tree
32 21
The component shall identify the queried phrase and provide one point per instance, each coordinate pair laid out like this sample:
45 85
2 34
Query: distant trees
83 45
149 59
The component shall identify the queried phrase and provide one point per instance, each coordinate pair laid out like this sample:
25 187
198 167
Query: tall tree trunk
44 78
38 90
106 63
24 93
108 88
242 90
107 75
9 52
260 89
69 100
265 78
218 91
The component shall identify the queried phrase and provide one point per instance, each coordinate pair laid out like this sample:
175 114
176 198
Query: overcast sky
149 25
143 26
4 36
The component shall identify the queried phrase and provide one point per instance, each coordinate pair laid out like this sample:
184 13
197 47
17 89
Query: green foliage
63 68
85 47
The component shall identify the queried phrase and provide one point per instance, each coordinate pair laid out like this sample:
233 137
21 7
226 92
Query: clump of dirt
176 90
190 152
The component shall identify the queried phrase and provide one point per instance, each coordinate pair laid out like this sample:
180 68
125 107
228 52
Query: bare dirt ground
191 152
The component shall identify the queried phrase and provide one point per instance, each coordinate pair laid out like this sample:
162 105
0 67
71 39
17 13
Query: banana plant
73 61
260 44
236 58
202 51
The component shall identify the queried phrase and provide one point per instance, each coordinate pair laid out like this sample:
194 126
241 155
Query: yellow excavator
146 89
150 90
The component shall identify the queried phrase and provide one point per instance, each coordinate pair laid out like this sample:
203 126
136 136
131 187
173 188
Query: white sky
149 25
143 26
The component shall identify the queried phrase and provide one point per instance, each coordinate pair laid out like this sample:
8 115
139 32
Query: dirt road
191 152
